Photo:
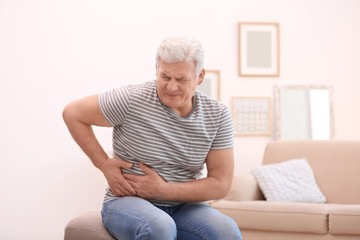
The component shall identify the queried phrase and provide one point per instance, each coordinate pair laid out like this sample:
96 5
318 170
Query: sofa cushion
344 219
276 216
244 188
335 164
289 181
87 226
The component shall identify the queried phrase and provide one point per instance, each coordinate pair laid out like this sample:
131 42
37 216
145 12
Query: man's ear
201 77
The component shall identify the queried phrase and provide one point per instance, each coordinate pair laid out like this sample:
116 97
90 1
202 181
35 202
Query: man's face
176 85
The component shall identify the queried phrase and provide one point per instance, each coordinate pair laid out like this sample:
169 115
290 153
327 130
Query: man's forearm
220 166
152 186
196 191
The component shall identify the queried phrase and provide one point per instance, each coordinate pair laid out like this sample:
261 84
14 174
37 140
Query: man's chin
170 103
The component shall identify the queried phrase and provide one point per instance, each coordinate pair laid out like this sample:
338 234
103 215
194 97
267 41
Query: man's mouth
171 94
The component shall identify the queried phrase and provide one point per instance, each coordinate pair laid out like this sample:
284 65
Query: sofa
336 167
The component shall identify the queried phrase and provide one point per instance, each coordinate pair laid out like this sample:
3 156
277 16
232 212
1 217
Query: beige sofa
336 166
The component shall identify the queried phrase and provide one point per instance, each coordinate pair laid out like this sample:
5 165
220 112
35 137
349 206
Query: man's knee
233 230
200 221
160 227
227 229
151 223
150 229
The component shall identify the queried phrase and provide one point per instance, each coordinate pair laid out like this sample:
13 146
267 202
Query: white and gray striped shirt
145 130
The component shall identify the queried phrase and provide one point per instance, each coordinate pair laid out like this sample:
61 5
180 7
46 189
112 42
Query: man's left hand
149 186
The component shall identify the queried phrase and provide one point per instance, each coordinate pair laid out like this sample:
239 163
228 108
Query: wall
52 52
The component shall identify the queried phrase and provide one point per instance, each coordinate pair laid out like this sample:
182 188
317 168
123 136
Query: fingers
127 187
121 192
117 183
130 177
124 184
124 164
145 168
147 185
124 189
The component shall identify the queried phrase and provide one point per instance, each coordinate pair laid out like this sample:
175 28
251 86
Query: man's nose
172 85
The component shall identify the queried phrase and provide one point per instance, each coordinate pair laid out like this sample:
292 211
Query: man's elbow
68 113
223 190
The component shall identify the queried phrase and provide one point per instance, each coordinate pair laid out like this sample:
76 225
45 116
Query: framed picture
252 116
211 84
259 53
304 112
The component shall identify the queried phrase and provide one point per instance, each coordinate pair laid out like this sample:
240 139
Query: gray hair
181 49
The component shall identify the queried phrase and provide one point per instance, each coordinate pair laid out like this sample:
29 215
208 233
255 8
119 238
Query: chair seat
87 226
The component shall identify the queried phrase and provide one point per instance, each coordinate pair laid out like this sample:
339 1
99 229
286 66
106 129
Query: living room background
53 52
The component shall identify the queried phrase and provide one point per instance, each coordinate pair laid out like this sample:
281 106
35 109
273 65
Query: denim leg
135 218
200 221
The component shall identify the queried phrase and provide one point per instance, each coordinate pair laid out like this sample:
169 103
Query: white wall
52 52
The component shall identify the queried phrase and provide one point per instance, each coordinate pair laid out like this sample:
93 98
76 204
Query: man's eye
182 80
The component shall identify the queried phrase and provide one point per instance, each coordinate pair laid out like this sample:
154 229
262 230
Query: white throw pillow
289 181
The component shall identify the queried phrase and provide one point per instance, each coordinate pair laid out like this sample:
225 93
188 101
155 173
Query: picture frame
211 84
304 112
259 49
252 116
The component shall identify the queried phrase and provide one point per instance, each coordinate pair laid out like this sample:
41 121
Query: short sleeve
114 105
225 135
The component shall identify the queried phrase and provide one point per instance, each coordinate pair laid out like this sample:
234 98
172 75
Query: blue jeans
129 218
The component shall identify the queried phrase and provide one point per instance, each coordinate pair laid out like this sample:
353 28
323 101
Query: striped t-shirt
145 130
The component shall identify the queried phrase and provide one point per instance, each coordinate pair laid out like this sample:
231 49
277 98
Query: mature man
164 133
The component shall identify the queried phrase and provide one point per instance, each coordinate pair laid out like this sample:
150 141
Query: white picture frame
211 84
252 116
304 112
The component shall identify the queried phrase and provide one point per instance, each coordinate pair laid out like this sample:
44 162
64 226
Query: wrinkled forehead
186 68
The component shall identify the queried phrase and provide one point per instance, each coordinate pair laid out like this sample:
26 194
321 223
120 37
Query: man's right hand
111 168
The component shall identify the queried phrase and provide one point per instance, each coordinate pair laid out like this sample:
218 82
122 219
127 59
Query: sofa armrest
244 188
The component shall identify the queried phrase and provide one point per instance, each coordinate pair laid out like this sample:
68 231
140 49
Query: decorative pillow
289 181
